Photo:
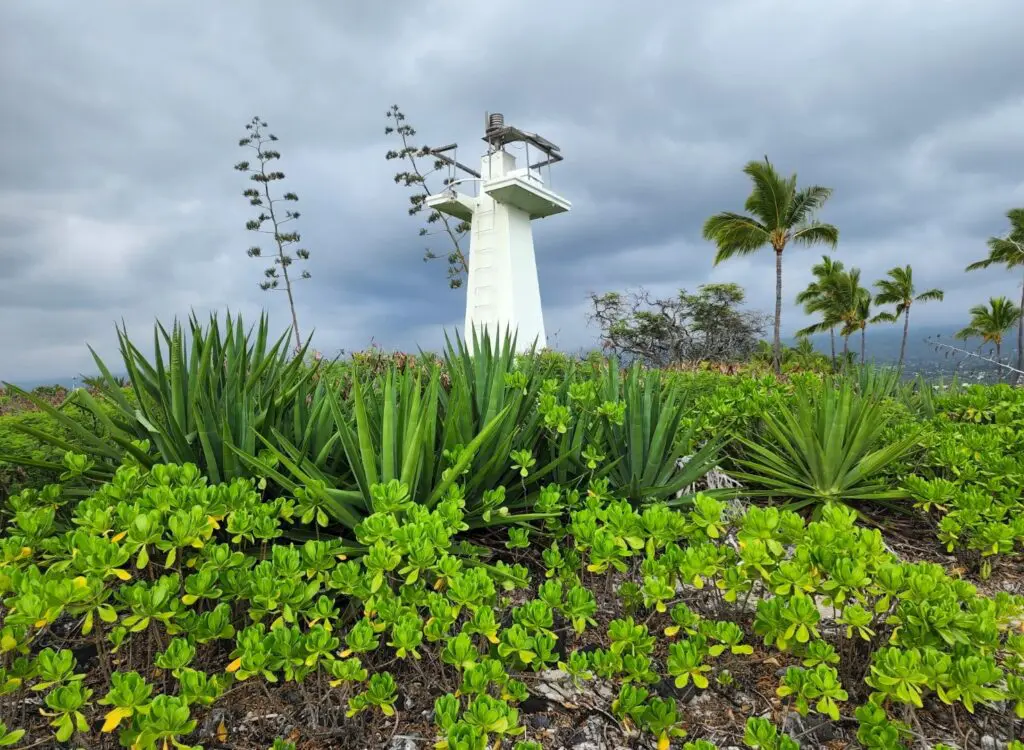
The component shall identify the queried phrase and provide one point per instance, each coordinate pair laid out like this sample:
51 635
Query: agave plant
412 428
200 397
828 443
874 382
641 432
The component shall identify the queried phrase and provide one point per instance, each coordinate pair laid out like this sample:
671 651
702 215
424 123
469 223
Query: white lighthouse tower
503 292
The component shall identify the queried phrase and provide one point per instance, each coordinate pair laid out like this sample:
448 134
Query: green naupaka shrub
159 563
943 637
972 475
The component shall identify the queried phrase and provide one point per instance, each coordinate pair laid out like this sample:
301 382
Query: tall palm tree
898 289
991 322
777 214
1009 251
812 297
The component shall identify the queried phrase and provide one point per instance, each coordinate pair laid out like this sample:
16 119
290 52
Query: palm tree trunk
777 341
863 342
906 328
832 338
846 349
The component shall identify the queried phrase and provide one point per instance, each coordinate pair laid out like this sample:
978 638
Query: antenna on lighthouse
503 292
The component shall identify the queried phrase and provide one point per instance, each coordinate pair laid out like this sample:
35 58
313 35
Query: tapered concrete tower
503 292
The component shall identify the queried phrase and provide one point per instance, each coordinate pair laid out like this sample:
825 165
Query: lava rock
590 736
534 705
988 742
805 729
539 721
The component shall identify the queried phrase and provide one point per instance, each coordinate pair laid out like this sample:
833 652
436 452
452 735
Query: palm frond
805 203
820 327
735 234
936 295
815 233
1006 251
772 195
969 332
979 265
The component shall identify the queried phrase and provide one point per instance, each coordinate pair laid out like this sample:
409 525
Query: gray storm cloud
118 201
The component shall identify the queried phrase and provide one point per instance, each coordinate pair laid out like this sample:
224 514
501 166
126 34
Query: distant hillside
883 347
28 385
883 343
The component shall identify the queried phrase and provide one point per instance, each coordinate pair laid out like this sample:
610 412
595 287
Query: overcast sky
121 120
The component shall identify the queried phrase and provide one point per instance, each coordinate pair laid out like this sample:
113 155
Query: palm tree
1009 251
991 322
804 355
779 213
812 297
842 305
860 316
899 290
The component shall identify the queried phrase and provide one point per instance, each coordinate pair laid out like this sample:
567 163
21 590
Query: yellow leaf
119 537
124 575
114 717
222 732
234 666
80 582
663 742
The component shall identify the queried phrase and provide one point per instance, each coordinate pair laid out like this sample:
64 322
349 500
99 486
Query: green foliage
829 443
201 397
643 430
193 592
707 326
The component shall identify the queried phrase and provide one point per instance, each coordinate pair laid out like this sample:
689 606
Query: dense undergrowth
490 551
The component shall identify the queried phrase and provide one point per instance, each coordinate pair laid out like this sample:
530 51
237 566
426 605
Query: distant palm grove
779 214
